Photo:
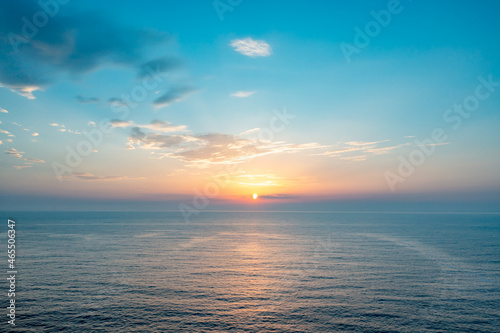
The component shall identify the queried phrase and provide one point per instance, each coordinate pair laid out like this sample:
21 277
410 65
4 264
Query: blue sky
352 119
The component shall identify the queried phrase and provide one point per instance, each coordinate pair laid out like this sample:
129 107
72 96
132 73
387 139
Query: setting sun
255 196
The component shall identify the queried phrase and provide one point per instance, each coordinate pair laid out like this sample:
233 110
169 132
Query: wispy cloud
206 149
251 47
435 144
157 125
91 177
34 160
243 94
19 167
174 95
3 111
361 150
14 152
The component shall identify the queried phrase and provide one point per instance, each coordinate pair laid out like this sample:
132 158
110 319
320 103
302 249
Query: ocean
255 272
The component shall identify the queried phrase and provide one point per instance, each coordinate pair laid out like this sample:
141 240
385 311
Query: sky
199 105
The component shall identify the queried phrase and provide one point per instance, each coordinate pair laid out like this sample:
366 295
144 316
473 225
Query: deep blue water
255 272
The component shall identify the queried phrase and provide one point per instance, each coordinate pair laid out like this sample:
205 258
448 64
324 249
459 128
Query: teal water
256 272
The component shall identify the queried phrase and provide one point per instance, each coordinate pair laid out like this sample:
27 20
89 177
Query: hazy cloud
174 95
277 196
18 167
91 177
158 66
117 101
243 94
67 44
87 100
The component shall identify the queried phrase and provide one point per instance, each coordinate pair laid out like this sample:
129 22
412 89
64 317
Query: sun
255 196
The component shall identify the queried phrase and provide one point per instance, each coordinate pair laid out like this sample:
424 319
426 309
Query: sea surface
255 272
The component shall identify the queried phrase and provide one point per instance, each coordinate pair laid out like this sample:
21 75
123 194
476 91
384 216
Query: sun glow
255 196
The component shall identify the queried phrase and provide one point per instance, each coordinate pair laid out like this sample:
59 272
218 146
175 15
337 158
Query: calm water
256 272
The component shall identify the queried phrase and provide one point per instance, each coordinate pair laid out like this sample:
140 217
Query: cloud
7 132
120 123
212 148
361 150
87 100
3 111
18 167
157 125
67 130
252 131
64 129
34 160
251 47
158 66
243 94
434 144
68 44
14 152
115 101
264 180
174 95
277 196
1 142
91 177
35 134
